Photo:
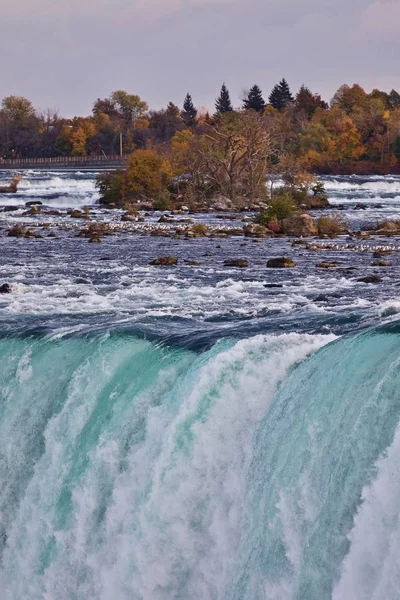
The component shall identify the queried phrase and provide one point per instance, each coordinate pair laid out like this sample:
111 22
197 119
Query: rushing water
194 432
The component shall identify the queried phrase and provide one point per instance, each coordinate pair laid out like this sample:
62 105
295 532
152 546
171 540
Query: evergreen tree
223 103
394 99
254 100
307 102
189 112
396 148
281 96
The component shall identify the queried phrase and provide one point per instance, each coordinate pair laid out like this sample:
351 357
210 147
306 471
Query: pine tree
394 99
307 102
223 103
281 96
254 100
189 112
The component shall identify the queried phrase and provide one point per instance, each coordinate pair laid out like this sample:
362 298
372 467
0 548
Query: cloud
66 54
379 21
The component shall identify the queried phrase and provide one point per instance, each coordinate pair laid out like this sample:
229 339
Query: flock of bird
175 226
354 247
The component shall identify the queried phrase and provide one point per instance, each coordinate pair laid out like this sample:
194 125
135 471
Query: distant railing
20 162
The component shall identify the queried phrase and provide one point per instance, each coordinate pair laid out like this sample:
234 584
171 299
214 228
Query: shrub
199 229
333 225
280 207
147 176
274 225
319 189
109 186
162 203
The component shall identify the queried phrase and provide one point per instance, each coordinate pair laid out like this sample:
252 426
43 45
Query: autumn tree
254 100
346 140
163 124
315 144
281 96
236 155
189 112
223 103
396 148
130 106
18 108
146 177
74 137
371 119
306 102
348 98
106 106
394 99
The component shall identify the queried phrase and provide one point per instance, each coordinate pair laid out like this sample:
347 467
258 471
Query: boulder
370 279
129 218
388 228
54 213
327 265
381 253
221 203
13 187
317 202
236 262
281 262
362 235
256 231
192 263
300 226
273 285
18 231
164 261
160 233
76 214
34 210
382 263
5 288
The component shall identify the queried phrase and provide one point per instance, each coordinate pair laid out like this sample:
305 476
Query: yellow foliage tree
78 138
345 141
146 177
181 145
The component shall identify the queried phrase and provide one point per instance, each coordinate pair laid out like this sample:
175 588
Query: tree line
355 131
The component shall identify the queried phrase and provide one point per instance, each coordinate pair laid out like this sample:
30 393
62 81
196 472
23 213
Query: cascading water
134 470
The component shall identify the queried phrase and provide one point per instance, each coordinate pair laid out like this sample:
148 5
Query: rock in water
236 262
5 288
257 231
327 265
370 279
165 261
221 203
281 262
300 226
382 263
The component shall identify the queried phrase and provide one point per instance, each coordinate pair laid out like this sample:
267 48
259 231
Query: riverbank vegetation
356 132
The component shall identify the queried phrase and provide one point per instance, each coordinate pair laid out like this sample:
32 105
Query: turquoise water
259 469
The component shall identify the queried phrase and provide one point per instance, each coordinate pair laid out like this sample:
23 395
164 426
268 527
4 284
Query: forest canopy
356 132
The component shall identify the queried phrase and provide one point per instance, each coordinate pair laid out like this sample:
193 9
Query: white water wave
371 571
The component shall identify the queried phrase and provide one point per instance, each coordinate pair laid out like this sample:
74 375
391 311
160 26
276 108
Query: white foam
371 571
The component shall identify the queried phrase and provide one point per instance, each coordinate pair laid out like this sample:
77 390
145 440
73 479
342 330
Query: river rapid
198 431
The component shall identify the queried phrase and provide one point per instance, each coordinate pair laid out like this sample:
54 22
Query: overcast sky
65 53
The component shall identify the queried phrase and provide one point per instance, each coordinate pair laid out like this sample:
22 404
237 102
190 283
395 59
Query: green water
260 469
